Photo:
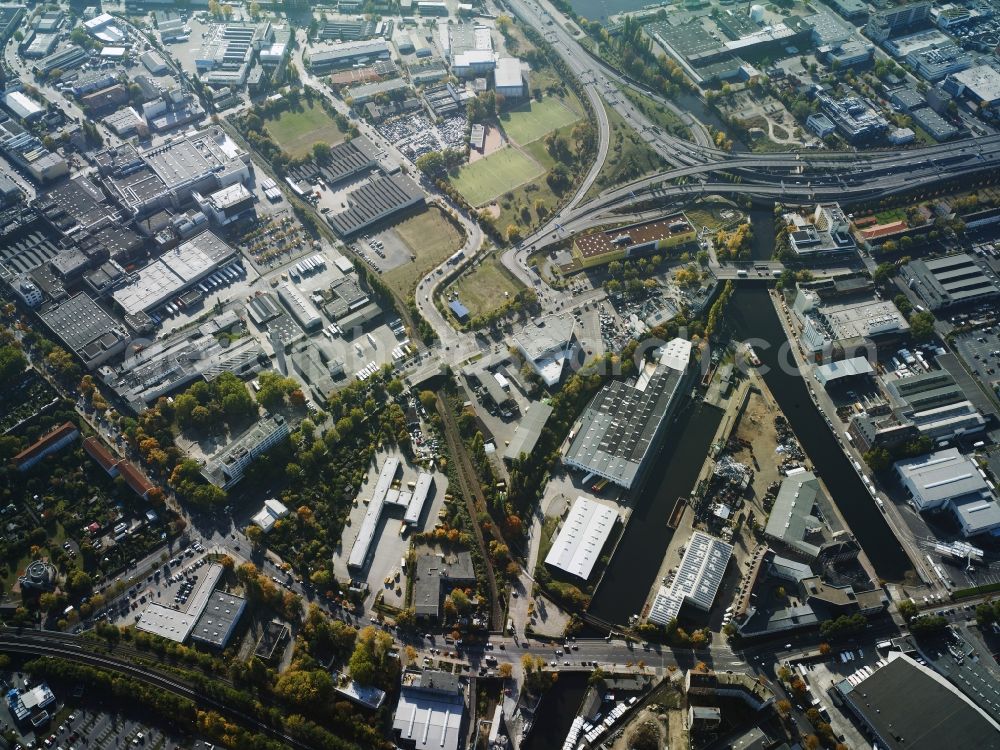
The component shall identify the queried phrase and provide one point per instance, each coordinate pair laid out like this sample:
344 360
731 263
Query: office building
833 328
820 124
362 548
905 705
889 22
699 576
951 280
935 63
227 467
226 205
951 481
10 20
623 424
272 512
827 235
547 344
434 576
856 118
25 149
583 535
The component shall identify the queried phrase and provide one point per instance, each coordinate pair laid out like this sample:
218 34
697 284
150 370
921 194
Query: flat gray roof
528 430
939 477
792 514
218 619
80 321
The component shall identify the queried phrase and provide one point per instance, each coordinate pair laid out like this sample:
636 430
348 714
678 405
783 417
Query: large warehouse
86 330
905 705
698 578
174 272
952 280
948 479
622 424
582 537
375 201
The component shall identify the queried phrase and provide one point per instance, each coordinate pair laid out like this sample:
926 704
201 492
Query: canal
753 316
632 571
556 712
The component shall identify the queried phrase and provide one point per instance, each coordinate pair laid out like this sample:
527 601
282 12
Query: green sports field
296 132
482 181
531 121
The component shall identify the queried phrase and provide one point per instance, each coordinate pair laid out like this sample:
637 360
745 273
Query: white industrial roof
174 624
420 491
698 578
939 477
582 537
508 73
676 354
22 105
366 532
843 369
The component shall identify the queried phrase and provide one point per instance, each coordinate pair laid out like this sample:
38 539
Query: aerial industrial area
514 374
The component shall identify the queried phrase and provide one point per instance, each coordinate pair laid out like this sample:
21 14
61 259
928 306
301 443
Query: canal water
556 712
753 316
633 569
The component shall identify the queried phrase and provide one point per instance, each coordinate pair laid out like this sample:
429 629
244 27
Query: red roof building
59 438
135 479
96 450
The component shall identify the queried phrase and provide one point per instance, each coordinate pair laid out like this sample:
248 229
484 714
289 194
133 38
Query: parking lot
415 134
981 351
170 586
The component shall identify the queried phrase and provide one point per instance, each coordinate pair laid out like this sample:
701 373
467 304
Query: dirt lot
755 431
493 141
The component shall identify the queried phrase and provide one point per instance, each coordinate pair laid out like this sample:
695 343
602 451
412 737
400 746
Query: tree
12 364
321 152
370 663
428 399
309 690
505 670
256 535
922 325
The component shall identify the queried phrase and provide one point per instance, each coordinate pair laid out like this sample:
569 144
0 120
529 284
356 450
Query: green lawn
629 157
297 131
482 181
431 237
531 121
486 287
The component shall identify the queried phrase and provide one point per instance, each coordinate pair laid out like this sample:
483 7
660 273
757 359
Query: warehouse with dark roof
376 201
907 706
345 161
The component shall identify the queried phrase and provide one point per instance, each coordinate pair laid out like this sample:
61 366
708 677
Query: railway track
71 648
475 501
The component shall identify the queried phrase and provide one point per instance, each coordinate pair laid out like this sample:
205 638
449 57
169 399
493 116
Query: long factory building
384 494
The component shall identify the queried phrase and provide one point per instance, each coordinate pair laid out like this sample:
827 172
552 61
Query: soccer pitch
530 122
482 181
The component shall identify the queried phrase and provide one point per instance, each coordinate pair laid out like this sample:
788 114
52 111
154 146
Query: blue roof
460 310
